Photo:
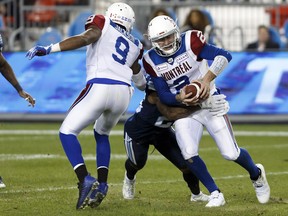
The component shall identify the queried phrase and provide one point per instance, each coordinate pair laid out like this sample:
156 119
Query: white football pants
99 103
189 131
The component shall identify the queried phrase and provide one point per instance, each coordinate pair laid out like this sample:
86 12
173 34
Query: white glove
207 104
219 106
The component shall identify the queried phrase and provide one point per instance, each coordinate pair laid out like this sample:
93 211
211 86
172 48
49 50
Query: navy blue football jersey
146 121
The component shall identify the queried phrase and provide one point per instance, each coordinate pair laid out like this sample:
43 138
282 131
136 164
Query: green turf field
40 180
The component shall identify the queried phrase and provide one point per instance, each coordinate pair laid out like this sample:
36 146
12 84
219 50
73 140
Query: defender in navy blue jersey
174 62
151 125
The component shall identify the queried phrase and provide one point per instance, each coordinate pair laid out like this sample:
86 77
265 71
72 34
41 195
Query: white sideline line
120 133
87 157
139 182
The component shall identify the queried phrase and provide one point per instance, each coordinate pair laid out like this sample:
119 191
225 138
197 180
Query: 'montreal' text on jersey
176 71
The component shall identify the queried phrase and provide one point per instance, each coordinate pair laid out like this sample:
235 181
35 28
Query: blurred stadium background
256 84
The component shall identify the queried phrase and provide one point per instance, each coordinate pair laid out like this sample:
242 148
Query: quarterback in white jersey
174 61
112 62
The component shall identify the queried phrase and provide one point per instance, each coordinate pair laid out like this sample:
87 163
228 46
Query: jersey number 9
122 49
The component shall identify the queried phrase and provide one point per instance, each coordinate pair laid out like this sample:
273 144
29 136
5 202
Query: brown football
193 87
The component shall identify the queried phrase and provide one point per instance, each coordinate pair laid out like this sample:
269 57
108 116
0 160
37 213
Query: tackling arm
171 113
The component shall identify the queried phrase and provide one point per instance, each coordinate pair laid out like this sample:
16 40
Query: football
193 87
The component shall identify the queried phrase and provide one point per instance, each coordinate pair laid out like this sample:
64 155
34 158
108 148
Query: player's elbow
226 54
87 40
229 56
165 100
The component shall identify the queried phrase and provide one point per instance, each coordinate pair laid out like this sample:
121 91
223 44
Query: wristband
55 48
139 80
218 65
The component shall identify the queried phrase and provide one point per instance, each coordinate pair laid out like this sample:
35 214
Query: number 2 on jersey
181 82
122 49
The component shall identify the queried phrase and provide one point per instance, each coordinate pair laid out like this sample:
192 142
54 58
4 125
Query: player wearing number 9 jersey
174 62
111 61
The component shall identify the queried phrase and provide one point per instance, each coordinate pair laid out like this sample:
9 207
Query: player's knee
102 131
139 164
185 170
66 130
129 163
232 156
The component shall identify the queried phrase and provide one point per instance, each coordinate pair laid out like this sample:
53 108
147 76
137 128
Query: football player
7 71
151 125
111 61
174 61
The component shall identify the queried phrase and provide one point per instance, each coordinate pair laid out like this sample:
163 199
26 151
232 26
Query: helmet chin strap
170 51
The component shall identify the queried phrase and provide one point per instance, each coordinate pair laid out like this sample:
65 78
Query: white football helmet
164 35
122 14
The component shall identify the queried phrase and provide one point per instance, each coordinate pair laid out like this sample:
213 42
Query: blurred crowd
268 36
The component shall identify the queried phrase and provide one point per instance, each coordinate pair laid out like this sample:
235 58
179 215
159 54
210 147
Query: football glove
38 51
216 104
220 106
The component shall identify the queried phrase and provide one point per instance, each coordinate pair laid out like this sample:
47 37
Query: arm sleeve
209 52
160 85
163 92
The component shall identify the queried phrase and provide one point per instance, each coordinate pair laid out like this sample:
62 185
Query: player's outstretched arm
9 75
91 35
171 113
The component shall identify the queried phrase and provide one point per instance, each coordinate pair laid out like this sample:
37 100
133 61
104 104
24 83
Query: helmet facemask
167 45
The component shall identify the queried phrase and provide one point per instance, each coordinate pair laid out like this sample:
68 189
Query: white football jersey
182 67
113 54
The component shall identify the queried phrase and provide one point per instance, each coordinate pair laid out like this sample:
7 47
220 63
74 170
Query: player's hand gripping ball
193 87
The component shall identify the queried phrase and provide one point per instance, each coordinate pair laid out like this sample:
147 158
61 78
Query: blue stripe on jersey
125 33
164 92
157 59
107 81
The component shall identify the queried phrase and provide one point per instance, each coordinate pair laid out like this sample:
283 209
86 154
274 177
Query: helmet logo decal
170 60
